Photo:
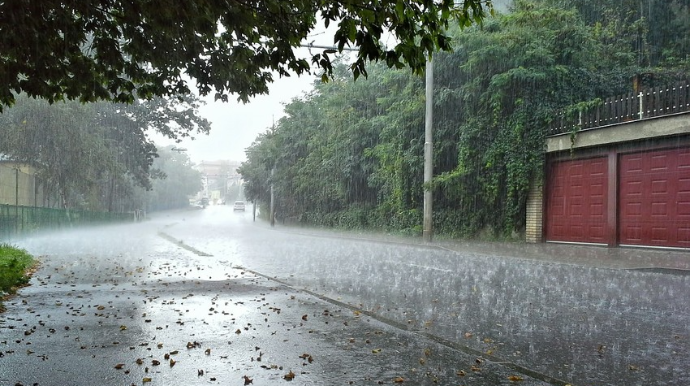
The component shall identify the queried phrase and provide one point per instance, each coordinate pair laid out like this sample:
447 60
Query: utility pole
427 232
16 200
273 214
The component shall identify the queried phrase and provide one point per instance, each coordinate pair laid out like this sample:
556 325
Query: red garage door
576 201
654 198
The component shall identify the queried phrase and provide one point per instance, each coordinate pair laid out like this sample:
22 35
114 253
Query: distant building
218 177
19 184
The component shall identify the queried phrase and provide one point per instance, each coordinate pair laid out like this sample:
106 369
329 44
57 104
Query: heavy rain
511 210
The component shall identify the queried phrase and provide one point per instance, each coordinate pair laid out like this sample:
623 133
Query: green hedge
14 264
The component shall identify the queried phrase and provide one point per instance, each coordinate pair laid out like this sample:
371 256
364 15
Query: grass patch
14 264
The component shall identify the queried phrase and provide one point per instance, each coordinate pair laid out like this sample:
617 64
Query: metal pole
272 215
16 200
16 187
428 232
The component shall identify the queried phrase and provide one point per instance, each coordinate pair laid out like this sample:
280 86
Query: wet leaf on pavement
289 376
307 357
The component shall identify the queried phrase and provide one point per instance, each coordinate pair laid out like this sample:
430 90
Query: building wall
24 182
662 132
535 213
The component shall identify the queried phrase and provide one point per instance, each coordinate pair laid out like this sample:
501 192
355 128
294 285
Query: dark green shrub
14 263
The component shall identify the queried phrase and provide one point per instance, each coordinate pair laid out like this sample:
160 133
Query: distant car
239 205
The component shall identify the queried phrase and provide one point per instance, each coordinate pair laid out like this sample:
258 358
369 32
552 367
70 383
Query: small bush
14 263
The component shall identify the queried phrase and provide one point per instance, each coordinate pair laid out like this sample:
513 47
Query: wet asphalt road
226 298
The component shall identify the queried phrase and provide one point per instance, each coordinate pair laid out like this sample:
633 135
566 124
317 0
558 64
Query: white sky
234 126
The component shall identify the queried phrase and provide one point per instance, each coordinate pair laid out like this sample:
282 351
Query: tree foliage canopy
92 155
179 180
351 154
115 49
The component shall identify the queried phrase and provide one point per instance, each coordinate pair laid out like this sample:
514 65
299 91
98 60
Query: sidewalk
651 259
662 260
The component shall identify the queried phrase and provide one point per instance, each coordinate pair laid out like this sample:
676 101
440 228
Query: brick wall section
535 212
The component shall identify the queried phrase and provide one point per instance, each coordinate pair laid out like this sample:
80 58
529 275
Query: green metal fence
21 220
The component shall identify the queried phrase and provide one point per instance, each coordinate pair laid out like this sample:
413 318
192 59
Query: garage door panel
660 234
634 233
634 164
683 159
597 210
654 198
576 201
597 190
658 162
683 234
683 185
660 186
632 186
658 207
